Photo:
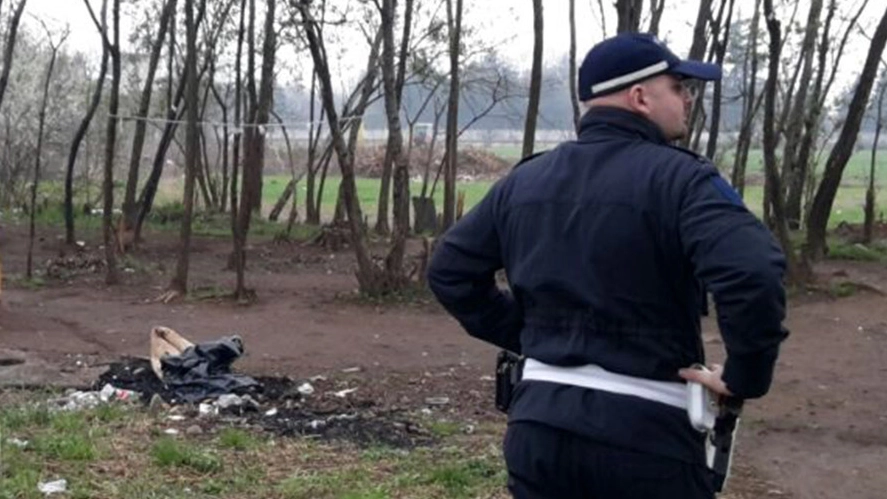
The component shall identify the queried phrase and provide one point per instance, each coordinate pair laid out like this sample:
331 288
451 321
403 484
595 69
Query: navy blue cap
628 58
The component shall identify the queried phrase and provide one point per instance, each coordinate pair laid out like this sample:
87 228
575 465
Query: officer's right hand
710 378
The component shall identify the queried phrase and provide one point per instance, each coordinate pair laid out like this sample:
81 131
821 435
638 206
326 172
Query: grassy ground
122 451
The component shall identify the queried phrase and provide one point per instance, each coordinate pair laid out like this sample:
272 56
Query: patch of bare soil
818 434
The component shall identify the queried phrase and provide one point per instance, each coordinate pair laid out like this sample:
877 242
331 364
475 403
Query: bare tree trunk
629 12
223 105
254 139
843 148
750 107
870 192
697 52
179 282
175 113
394 262
9 47
792 171
130 208
290 189
81 133
720 51
312 214
454 24
798 189
535 82
54 48
657 7
368 275
111 276
236 262
776 199
384 189
574 94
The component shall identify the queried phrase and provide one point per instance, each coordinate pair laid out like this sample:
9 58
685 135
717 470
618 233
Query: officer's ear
639 99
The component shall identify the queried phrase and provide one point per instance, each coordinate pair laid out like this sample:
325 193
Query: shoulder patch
726 190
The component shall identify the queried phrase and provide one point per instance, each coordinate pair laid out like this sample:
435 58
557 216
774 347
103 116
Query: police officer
609 243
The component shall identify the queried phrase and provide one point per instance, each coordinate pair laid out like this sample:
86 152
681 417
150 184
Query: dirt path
820 433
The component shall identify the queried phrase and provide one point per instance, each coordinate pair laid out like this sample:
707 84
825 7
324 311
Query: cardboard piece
165 341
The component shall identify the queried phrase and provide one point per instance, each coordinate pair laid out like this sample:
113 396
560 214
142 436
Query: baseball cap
628 58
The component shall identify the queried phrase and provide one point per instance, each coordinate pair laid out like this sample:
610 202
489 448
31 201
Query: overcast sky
498 21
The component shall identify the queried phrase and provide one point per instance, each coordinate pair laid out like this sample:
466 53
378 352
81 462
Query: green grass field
848 205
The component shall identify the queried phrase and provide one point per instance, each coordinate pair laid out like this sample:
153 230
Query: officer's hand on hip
710 378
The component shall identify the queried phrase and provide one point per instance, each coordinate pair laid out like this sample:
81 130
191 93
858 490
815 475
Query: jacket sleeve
741 264
462 277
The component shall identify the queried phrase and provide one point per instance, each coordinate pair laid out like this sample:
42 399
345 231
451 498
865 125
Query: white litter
21 444
306 389
54 487
271 412
344 393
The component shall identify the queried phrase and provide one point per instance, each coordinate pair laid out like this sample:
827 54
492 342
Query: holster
508 374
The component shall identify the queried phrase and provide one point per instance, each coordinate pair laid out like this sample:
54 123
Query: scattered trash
437 400
76 401
344 393
206 409
54 487
175 417
21 444
109 393
351 370
487 378
271 412
171 431
315 379
306 389
229 400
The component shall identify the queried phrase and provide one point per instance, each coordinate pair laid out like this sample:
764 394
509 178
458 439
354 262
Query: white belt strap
598 378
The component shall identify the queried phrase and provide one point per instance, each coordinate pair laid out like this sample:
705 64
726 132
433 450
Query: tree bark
9 47
394 261
367 274
535 82
236 261
384 189
777 201
750 107
111 276
254 139
454 24
843 148
720 51
793 174
870 192
81 133
657 7
629 12
54 48
180 279
130 208
697 52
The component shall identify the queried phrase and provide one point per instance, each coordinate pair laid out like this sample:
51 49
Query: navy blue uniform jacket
609 243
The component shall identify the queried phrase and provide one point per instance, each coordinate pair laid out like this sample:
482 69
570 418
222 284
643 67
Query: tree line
201 81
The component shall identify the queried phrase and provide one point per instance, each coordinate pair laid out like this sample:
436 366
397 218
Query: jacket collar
599 119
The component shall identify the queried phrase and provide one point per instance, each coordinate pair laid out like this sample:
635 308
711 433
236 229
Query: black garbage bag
203 371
